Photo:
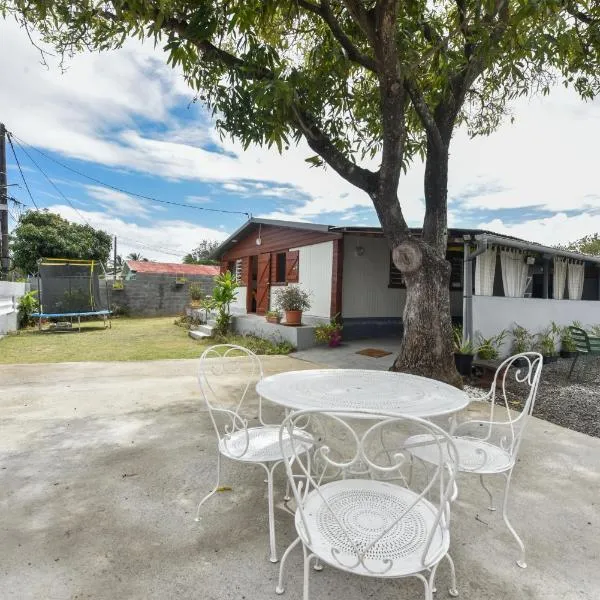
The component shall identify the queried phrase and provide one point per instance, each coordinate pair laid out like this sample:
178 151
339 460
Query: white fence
492 314
10 293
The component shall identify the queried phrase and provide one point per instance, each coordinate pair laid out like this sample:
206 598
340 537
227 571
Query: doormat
373 352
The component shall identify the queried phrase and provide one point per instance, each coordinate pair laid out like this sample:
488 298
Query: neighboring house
10 294
495 279
160 289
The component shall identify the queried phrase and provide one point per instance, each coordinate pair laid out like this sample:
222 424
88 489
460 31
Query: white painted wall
492 314
10 292
239 305
315 273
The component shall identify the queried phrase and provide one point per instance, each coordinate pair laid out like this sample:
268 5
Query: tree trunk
427 340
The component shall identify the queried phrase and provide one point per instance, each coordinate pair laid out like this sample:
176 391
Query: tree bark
427 343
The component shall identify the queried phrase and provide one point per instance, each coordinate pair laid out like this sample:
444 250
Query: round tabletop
346 390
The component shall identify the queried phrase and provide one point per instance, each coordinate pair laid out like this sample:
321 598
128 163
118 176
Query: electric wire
125 191
20 170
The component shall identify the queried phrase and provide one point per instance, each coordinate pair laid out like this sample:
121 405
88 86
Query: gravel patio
102 465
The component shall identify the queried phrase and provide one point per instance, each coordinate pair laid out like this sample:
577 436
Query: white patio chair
228 375
354 508
490 446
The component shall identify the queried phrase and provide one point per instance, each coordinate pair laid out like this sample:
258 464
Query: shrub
196 292
256 344
28 304
489 348
461 347
522 339
292 297
224 293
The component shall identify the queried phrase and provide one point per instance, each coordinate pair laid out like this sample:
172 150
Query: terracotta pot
293 317
273 320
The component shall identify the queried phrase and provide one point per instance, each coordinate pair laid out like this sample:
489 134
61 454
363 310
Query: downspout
468 285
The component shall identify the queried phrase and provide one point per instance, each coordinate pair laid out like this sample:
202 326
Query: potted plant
330 333
489 348
292 300
547 345
195 295
464 352
522 342
273 316
568 347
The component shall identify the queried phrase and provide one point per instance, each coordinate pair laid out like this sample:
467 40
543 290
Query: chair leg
307 557
280 589
572 366
452 590
521 562
273 557
489 493
214 490
427 584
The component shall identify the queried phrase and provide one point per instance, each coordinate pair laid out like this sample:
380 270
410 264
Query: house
160 289
495 279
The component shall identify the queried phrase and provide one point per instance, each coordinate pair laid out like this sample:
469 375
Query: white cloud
117 203
198 199
166 240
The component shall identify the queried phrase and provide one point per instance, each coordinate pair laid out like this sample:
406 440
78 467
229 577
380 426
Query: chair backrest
515 385
228 376
376 446
581 339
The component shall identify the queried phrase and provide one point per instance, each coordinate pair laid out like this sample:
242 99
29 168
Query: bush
224 293
256 344
196 293
28 304
292 297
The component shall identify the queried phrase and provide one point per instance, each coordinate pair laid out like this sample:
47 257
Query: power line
130 193
20 170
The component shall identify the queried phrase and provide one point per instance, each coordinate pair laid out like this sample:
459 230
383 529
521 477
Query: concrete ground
345 356
102 464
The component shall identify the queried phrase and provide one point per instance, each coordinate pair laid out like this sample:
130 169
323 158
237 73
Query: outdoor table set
372 477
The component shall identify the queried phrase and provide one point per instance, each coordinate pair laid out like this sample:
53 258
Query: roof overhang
489 239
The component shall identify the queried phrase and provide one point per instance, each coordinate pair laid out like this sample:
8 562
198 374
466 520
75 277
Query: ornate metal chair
227 377
490 446
354 508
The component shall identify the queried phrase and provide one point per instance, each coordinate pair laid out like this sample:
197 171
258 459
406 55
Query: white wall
492 314
10 292
239 305
315 273
366 278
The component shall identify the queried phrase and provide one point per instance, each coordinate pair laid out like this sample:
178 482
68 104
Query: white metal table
346 390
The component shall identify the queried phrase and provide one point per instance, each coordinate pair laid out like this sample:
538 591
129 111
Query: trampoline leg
79 322
40 324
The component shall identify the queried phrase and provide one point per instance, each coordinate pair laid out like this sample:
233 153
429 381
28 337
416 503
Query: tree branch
362 17
425 115
354 54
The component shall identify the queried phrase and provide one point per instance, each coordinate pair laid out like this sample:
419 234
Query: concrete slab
345 356
102 465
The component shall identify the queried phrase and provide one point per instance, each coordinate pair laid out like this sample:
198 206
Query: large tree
47 235
383 80
202 253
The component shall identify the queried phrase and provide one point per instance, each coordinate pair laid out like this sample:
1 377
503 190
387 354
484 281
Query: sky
127 119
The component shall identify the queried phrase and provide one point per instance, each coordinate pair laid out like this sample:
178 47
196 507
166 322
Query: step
198 335
211 322
207 329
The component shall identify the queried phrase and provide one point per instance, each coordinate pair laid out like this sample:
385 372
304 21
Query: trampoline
69 288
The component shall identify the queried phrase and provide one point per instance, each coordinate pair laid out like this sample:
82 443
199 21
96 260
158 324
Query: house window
280 266
238 270
456 273
396 279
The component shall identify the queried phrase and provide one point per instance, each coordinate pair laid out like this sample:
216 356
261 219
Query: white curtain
514 273
576 276
485 269
560 277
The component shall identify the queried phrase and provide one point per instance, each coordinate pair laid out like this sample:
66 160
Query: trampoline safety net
72 287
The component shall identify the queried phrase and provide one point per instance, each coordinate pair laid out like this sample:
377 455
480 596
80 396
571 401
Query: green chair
586 345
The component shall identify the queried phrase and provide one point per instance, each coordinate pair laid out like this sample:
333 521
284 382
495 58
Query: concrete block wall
10 292
152 295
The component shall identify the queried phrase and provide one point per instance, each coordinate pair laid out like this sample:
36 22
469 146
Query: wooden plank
292 266
337 272
263 284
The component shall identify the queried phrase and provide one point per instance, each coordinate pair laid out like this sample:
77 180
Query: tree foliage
48 235
588 244
202 253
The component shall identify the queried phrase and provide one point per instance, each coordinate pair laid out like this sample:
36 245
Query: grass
129 339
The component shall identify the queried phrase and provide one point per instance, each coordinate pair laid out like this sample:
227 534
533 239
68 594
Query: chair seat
263 444
474 455
364 509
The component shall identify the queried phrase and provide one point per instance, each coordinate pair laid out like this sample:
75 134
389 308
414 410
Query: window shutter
224 266
273 267
292 267
245 271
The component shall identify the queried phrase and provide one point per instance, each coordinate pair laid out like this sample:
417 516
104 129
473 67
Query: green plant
547 341
224 293
273 314
489 348
256 344
522 339
460 346
118 284
196 292
567 343
292 297
28 304
594 330
329 333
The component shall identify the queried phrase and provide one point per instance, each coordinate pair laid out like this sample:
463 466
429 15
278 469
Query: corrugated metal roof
142 266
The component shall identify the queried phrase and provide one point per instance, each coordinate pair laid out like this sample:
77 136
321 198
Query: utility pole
3 206
115 259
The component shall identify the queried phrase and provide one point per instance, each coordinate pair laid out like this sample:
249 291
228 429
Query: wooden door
263 283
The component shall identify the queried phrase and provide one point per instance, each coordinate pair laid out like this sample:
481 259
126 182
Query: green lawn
129 339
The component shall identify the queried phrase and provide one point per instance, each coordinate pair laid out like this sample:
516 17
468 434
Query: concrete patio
102 465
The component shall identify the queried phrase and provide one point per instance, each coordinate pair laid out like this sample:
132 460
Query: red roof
141 266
